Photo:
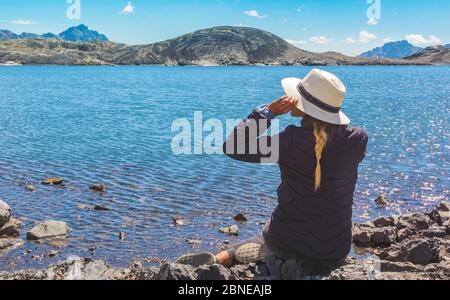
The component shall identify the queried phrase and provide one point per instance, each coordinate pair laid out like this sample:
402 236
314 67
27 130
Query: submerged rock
233 230
381 202
5 213
48 229
53 181
99 187
240 218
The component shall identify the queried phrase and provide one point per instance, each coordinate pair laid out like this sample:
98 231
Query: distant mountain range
393 50
80 33
218 46
400 49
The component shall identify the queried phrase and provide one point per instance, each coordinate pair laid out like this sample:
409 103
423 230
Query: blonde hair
322 132
321 136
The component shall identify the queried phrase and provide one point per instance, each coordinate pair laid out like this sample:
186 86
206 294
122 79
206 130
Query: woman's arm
245 142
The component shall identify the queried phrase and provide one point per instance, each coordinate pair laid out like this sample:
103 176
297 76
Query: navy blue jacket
306 223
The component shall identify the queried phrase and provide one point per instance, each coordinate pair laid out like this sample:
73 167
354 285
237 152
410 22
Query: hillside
225 45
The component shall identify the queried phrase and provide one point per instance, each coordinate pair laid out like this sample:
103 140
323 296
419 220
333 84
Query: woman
319 170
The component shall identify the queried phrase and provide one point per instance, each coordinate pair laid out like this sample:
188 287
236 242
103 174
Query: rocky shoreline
414 246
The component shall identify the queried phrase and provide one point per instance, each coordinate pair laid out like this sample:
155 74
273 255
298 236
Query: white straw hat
321 95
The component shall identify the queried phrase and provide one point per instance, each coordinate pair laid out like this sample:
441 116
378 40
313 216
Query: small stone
177 221
53 253
48 229
383 236
240 218
233 230
100 208
100 187
30 188
381 202
194 242
53 181
37 257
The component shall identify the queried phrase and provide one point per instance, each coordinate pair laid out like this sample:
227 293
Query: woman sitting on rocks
319 169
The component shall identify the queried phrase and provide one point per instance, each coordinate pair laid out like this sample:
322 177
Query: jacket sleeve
247 144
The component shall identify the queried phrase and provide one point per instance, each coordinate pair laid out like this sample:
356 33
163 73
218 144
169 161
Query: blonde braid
321 140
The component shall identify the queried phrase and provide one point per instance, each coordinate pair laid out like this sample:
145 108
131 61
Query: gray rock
383 236
5 213
441 214
170 271
215 272
421 253
48 229
404 234
362 234
147 273
10 243
11 229
414 222
384 222
434 232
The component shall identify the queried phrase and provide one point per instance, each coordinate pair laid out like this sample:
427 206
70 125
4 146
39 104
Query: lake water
113 125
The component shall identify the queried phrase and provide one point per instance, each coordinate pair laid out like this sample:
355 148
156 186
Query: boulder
171 271
441 214
383 236
11 229
48 229
384 222
421 253
434 232
5 213
215 272
414 222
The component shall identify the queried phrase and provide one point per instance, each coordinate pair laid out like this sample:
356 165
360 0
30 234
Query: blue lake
113 125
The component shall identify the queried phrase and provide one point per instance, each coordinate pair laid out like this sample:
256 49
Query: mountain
50 35
393 50
447 46
224 45
437 55
82 33
227 45
7 35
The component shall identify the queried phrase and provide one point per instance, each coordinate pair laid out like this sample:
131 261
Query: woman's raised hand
283 105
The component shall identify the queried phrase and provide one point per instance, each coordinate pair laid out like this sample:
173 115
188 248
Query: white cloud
372 21
366 37
296 42
299 10
254 14
388 40
419 39
321 40
23 22
129 9
349 40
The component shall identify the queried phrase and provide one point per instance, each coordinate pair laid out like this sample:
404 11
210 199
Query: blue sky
315 25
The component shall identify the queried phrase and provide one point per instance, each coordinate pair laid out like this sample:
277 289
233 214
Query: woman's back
310 223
